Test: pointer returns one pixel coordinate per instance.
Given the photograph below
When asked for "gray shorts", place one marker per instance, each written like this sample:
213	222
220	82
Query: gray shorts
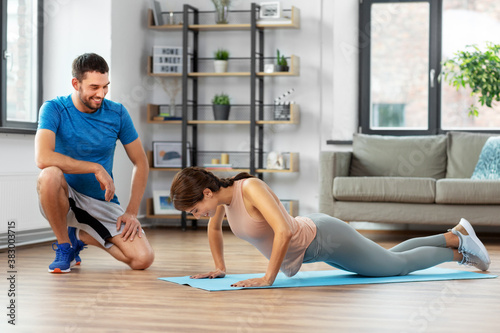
95	217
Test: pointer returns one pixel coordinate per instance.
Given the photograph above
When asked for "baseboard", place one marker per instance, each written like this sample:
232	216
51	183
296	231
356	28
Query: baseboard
28	237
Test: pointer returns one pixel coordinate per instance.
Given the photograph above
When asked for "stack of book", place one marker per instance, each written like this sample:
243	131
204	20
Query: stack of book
217	166
168	60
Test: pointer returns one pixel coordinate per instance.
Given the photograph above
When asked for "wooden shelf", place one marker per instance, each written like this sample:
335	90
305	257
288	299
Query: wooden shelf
294	71
151	24
293	166
203	74
153	111
294	68
294	24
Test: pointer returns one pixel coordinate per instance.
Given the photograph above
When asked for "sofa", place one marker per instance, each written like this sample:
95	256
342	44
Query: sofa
412	179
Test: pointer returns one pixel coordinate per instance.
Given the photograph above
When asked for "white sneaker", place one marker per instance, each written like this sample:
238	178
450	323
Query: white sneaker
473	250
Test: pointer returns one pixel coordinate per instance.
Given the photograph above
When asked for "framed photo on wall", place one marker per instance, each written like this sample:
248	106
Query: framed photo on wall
270	10
162	203
168	154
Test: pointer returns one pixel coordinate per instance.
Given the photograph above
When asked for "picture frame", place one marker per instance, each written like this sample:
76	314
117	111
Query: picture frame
168	154
270	10
162	203
157	16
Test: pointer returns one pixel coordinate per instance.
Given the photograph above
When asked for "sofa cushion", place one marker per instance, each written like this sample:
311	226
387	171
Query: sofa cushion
463	153
468	191
395	156
488	165
385	189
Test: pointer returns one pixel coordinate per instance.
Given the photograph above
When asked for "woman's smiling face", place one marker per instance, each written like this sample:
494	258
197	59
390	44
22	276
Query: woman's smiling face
205	207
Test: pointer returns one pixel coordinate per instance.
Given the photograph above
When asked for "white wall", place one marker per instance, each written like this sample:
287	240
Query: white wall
326	89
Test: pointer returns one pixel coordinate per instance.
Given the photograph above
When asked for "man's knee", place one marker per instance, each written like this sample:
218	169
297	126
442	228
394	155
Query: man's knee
143	260
51	177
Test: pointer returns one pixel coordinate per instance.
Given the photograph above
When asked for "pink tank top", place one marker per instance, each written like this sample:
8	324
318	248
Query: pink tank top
261	235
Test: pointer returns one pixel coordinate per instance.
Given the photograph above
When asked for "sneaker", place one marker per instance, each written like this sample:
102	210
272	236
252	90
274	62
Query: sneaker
470	246
472	260
65	258
77	244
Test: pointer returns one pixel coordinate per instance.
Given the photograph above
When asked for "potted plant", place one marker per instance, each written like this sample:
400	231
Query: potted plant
221	106
480	70
281	63
220	62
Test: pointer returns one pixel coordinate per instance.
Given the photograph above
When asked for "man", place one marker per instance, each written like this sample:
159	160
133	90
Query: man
74	146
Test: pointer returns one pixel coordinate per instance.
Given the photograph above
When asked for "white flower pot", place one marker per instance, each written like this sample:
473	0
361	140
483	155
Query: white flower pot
220	66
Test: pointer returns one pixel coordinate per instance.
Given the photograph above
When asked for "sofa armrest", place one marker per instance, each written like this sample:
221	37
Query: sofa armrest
332	164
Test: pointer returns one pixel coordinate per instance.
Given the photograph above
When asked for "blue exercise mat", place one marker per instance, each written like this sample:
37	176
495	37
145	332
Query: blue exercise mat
327	278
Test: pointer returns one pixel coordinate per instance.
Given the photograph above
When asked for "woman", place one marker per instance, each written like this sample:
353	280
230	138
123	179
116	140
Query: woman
256	215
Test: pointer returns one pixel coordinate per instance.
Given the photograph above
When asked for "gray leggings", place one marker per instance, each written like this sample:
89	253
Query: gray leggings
339	245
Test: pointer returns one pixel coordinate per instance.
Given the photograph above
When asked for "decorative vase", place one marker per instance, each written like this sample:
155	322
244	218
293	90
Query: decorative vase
171	108
221	111
221	14
220	66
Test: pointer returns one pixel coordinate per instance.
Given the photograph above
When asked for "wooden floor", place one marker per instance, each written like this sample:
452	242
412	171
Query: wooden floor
103	295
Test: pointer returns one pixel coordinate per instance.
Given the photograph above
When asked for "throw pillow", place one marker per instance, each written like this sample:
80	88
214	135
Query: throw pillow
398	156
488	165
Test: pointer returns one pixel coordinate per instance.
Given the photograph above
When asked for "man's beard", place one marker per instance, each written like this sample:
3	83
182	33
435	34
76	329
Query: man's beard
87	104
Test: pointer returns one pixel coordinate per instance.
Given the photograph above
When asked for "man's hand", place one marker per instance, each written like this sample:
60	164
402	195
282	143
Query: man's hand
132	226
106	182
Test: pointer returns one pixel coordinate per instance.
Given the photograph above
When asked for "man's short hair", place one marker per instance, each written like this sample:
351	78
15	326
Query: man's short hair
88	62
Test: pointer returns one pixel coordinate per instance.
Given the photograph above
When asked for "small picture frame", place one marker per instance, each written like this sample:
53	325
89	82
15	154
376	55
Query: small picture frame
270	10
168	154
157	16
162	203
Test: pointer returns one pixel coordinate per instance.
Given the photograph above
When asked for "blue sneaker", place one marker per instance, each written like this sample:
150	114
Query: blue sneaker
77	244
65	258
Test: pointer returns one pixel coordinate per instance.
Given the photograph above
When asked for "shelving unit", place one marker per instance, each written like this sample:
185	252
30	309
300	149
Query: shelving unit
195	115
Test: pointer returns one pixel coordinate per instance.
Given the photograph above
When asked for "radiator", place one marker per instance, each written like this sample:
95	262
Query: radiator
19	210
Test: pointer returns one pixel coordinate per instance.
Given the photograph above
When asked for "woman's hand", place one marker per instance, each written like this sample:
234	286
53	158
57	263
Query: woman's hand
257	282
210	275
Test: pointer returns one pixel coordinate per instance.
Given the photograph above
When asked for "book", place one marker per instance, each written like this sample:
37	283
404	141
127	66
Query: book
156	8
217	166
163	118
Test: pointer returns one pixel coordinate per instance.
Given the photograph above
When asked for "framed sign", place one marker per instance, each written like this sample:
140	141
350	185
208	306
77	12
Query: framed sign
270	10
168	154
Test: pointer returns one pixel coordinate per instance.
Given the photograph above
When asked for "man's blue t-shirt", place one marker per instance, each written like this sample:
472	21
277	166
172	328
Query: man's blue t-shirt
87	137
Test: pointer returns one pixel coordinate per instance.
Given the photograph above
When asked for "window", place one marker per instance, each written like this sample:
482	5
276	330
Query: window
20	70
402	44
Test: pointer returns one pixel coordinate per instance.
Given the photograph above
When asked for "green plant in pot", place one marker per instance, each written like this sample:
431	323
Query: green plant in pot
479	70
281	63
220	63
221	106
